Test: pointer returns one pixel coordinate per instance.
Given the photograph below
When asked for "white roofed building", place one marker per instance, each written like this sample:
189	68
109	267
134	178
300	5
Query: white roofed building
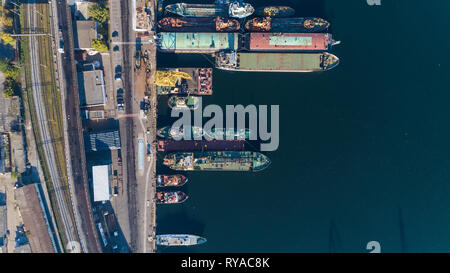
101	182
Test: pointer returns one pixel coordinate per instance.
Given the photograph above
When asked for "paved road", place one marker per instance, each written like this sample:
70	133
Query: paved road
127	126
66	218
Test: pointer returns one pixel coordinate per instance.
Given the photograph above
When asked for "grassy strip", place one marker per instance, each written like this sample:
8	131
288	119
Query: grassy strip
30	109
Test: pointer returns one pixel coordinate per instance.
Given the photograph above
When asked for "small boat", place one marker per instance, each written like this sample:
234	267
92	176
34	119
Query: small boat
170	197
275	11
187	103
176	180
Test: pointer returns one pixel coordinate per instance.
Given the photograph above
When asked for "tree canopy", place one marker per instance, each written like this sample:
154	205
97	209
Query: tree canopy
99	13
99	45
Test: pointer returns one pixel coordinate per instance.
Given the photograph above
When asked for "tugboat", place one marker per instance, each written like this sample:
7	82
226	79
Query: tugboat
275	11
176	180
171	197
179	240
187	103
287	25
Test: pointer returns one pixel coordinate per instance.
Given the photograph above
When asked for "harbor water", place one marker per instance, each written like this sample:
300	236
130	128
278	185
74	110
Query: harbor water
364	150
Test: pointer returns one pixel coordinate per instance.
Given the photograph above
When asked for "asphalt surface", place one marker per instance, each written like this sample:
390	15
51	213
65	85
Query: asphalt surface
127	127
47	145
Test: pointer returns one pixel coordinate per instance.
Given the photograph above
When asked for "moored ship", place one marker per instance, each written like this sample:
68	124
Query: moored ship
187	103
234	9
184	81
272	42
295	25
240	10
179	240
275	11
170	145
201	24
178	133
227	134
197	10
217	161
197	133
170	197
176	180
276	62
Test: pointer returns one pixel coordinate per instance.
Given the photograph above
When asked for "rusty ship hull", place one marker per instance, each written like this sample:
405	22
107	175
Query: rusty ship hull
287	25
176	180
275	11
167	145
199	24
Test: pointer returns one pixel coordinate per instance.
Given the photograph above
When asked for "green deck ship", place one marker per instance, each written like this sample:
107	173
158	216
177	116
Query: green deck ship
217	161
189	42
276	62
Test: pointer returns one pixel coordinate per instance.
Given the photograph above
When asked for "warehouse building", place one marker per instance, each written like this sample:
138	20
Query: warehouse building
102	141
92	89
101	182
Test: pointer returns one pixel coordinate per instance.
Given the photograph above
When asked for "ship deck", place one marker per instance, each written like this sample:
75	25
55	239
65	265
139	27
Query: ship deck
288	41
279	62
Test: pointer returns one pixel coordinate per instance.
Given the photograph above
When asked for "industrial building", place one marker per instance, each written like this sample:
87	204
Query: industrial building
102	141
86	33
35	220
101	182
91	85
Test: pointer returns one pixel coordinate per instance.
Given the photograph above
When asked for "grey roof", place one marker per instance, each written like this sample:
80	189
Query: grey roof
102	141
92	88
86	32
33	219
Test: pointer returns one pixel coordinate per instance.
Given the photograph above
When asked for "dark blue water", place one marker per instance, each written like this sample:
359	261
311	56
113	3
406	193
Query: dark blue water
364	151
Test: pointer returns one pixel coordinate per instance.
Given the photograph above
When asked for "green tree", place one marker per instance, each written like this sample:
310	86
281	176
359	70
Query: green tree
8	91
9	70
99	45
7	39
99	13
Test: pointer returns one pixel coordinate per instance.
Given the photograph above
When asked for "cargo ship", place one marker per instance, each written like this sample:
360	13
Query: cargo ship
229	133
197	42
170	197
187	103
234	9
275	11
197	133
295	25
172	133
288	42
176	180
201	24
179	240
184	81
276	62
217	161
170	145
